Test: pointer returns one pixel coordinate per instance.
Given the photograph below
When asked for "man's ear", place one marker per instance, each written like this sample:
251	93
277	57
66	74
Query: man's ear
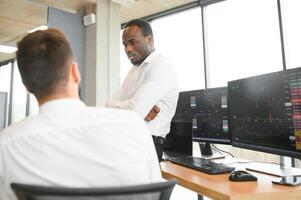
149	40
75	72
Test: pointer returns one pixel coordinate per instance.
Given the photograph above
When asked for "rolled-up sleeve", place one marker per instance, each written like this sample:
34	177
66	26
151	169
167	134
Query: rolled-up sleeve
159	79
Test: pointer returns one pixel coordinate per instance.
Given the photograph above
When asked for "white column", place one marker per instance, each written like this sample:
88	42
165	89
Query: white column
103	53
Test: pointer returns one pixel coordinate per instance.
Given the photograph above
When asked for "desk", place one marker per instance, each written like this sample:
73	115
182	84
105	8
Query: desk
218	187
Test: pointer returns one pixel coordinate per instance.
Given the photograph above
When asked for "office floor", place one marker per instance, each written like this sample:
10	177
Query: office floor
180	193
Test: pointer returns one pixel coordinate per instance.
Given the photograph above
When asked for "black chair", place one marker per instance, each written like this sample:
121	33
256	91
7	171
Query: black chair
153	191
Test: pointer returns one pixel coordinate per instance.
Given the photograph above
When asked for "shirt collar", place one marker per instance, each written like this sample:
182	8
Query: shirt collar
150	58
59	105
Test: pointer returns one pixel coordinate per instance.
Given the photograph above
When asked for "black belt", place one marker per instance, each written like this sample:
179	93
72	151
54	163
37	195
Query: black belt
158	140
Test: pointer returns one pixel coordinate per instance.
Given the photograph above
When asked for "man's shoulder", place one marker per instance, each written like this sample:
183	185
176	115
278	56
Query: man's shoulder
162	58
19	128
163	67
162	62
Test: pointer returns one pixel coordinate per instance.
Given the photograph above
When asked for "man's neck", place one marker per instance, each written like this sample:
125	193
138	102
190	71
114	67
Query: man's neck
145	57
56	97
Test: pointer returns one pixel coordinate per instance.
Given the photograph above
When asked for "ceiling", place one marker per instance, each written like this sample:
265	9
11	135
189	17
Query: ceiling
19	16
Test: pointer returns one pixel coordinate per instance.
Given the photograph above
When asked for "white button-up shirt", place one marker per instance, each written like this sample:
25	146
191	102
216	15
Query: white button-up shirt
153	82
69	144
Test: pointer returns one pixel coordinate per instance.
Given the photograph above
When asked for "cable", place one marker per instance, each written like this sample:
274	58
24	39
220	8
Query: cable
218	151
223	151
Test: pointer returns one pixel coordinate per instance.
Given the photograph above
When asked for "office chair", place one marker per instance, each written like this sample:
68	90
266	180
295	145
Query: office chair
153	191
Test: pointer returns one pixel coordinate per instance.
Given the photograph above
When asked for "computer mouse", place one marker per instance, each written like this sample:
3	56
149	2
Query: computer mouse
241	175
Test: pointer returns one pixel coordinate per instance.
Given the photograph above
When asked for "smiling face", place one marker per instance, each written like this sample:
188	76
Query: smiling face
137	46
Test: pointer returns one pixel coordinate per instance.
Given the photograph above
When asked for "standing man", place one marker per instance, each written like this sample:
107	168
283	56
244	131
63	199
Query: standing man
67	143
151	87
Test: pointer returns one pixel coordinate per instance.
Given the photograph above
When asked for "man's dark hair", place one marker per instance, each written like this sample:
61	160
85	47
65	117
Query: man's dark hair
143	25
43	59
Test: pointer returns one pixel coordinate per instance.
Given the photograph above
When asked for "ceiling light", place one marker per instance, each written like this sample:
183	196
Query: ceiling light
7	49
43	27
124	2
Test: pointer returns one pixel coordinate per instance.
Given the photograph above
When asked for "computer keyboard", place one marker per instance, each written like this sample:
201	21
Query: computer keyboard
201	164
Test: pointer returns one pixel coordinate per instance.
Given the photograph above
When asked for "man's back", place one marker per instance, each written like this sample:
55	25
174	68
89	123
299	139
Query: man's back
69	144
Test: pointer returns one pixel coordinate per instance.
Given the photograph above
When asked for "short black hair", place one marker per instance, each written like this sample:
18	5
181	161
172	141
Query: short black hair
43	60
144	25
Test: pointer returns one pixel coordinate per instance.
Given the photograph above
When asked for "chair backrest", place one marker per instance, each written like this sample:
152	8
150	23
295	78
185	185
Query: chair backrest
153	191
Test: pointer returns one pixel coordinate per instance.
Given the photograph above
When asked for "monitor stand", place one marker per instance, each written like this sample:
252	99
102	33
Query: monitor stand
207	153
274	169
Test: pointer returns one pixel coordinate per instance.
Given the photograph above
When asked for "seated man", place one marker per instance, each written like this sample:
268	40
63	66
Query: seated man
67	143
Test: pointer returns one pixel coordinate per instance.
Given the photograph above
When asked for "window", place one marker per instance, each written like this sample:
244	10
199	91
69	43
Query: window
5	71
243	40
179	37
5	76
292	32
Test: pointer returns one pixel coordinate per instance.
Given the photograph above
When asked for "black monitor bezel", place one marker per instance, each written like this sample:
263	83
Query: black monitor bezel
270	150
211	140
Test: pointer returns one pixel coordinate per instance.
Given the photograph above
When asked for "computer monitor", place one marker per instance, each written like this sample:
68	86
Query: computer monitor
210	122
3	106
207	110
265	112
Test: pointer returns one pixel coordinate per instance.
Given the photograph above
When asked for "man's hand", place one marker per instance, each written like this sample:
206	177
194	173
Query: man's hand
152	113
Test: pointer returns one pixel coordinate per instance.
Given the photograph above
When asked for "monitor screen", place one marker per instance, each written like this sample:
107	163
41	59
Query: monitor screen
265	112
210	119
3	105
187	105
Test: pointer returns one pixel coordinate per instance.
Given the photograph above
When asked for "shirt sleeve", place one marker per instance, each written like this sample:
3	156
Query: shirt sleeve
159	79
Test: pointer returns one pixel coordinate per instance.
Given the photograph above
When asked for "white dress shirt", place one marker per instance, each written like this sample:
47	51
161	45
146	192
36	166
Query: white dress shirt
153	82
69	144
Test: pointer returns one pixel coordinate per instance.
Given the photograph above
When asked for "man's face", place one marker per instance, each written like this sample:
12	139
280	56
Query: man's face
137	47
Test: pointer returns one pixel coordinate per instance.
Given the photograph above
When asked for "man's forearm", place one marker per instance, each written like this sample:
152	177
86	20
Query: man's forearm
131	105
118	104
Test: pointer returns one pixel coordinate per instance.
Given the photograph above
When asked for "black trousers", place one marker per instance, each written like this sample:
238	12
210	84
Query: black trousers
159	145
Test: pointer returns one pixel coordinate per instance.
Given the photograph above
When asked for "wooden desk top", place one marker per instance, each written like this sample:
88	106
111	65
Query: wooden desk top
218	187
